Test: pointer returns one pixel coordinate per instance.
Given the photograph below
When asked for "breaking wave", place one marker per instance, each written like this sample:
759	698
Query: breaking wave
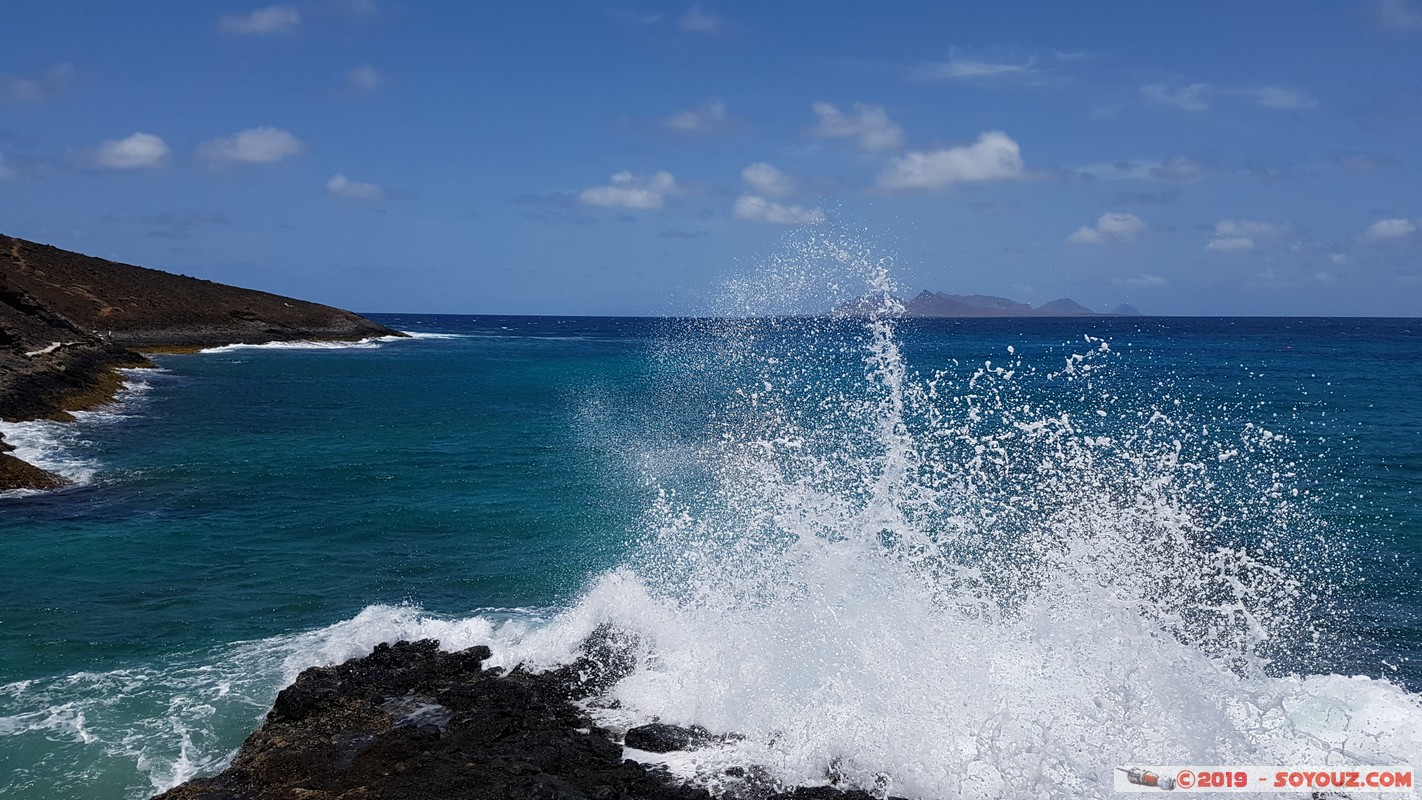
991	579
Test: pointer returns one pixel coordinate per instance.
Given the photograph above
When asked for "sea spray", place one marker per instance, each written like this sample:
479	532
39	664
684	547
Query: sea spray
995	579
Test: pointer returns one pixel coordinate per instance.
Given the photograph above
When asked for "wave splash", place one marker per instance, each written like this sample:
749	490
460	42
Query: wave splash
992	580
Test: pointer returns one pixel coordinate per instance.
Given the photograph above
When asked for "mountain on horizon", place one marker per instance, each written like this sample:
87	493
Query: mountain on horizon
941	304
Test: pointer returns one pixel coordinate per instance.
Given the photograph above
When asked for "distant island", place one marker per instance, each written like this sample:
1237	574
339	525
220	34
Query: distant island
68	322
942	304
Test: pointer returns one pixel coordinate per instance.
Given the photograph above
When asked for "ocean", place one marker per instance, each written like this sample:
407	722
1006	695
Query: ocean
956	558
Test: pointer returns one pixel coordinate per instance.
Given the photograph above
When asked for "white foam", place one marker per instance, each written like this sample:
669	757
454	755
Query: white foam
368	343
66	448
429	335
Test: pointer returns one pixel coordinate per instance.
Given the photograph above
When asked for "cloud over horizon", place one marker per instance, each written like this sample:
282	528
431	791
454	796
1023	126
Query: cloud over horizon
15	88
1112	226
341	186
137	151
869	126
1197	96
365	79
993	157
767	179
1389	230
262	22
252	146
699	20
959	67
750	208
630	191
708	119
1233	236
1398	14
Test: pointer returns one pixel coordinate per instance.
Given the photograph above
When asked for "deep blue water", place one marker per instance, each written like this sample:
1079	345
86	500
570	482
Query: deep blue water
259	493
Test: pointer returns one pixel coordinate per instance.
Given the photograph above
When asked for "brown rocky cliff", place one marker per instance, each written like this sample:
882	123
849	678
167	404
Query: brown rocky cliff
68	321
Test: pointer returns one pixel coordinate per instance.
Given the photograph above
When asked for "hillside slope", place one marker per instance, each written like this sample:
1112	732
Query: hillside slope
68	321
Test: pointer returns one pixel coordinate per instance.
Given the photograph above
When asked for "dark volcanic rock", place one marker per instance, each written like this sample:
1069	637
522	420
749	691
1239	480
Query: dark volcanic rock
412	722
17	474
662	738
67	322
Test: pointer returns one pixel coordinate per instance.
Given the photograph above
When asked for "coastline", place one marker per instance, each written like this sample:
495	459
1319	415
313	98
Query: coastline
413	721
69	322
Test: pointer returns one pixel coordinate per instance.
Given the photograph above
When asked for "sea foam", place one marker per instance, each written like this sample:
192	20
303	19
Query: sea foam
66	448
359	344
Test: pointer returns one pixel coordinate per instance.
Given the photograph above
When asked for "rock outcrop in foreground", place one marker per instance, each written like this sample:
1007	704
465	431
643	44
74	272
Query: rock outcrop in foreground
410	721
68	321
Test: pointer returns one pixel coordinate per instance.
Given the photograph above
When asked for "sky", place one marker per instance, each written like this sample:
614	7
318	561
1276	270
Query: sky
625	157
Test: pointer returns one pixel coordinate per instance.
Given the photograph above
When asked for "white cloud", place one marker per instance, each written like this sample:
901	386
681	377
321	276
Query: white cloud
629	191
869	125
1113	226
1196	96
708	119
365	79
6	172
1252	229
1144	281
37	86
1241	235
1338	258
1123	170
1365	162
1280	98
1185	98
263	21
698	20
993	157
768	180
1180	168
341	186
252	146
750	208
1230	244
959	67
139	151
1398	14
1385	230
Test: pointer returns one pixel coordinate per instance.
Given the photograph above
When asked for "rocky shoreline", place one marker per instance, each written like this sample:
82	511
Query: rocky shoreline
410	721
69	322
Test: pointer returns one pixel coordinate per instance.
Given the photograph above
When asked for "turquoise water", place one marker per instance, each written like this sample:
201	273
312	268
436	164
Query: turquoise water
247	512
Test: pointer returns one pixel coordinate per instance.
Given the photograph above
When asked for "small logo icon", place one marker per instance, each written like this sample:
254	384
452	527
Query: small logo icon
1142	777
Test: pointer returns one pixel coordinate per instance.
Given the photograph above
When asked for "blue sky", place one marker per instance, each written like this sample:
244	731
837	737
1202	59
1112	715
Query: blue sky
626	157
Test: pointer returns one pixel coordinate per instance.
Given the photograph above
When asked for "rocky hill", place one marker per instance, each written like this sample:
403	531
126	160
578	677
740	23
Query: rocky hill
68	321
942	304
